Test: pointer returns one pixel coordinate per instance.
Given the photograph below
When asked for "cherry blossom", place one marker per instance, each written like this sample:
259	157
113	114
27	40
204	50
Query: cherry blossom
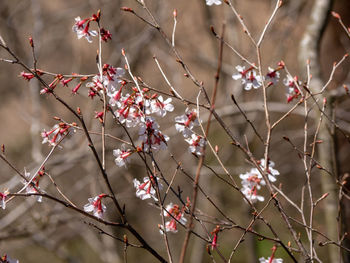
293	91
130	110
186	122
53	136
176	214
151	136
215	2
95	205
160	107
33	186
197	144
146	189
249	77
122	156
251	183
273	75
253	180
81	28
3	197
270	260
110	81
272	173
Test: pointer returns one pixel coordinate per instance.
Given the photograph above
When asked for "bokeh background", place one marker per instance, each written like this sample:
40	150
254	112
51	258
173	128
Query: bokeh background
48	232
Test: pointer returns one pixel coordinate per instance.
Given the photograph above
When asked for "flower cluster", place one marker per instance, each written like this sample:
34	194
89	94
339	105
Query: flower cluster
250	79
109	81
146	189
53	136
176	214
253	180
95	205
151	136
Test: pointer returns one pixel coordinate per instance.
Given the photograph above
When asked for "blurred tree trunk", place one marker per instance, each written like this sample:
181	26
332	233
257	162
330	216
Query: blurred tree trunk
310	49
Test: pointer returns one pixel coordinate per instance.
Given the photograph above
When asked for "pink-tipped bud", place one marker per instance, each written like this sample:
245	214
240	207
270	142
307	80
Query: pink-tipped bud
27	76
66	81
281	64
175	13
77	87
336	15
31	42
127	9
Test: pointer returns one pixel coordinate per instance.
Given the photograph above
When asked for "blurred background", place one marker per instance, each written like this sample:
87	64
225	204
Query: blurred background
48	232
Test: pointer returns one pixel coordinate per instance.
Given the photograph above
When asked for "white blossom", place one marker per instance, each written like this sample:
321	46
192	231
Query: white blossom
197	144
95	205
146	189
249	78
268	260
213	2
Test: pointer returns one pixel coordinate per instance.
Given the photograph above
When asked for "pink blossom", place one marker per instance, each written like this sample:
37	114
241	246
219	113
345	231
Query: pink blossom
95	205
3	197
151	136
160	107
253	180
197	144
273	75
129	111
249	77
146	189
270	260
251	184
33	186
176	215
81	28
53	136
122	156
186	122
293	91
